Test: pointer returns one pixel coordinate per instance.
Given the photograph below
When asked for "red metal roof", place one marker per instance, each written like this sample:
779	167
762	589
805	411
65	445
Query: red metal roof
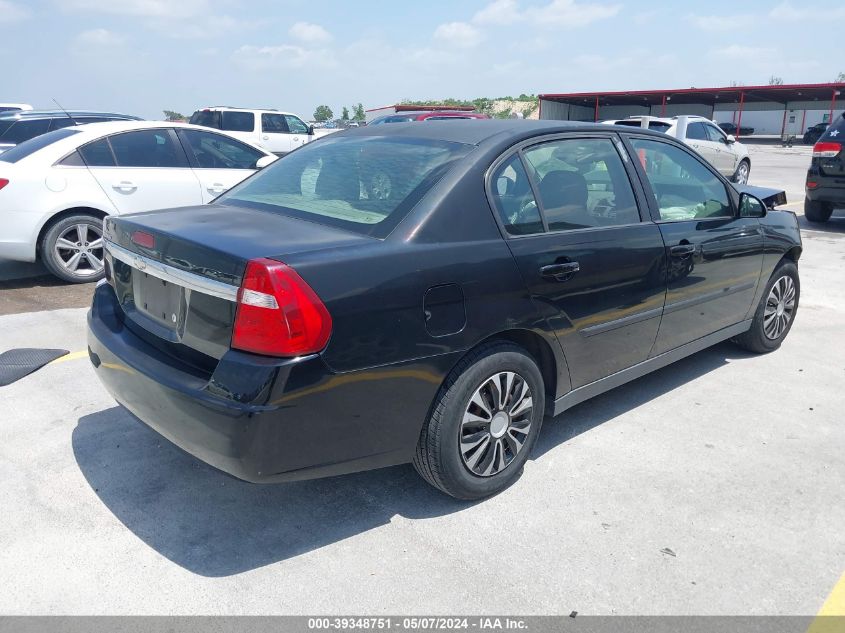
424	108
780	94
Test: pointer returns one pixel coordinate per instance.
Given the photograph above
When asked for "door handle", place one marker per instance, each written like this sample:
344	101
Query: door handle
296	138
682	250
560	272
126	186
265	137
217	187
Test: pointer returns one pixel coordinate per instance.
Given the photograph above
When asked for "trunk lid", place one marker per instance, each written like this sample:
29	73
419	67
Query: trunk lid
176	272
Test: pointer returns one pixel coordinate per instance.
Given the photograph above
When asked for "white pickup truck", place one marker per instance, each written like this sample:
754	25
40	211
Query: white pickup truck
276	131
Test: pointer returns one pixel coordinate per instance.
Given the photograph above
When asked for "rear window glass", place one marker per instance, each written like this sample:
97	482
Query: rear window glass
366	185
238	121
658	126
24	130
33	145
206	118
838	126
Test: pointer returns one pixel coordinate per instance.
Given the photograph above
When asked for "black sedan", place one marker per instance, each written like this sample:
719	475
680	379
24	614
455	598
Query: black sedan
429	293
814	133
731	128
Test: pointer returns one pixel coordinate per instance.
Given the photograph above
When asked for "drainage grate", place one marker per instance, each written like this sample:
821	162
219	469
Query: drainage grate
17	363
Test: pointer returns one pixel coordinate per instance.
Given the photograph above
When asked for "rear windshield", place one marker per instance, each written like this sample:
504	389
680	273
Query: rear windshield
366	185
836	131
33	145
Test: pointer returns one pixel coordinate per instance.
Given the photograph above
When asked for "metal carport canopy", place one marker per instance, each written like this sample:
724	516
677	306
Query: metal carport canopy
740	95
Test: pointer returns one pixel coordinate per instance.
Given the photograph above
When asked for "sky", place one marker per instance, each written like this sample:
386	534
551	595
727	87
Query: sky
143	56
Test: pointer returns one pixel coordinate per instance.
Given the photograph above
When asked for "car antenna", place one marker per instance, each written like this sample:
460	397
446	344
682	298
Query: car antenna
65	111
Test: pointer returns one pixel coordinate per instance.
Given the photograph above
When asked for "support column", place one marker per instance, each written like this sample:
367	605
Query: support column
597	109
739	121
783	126
663	108
832	106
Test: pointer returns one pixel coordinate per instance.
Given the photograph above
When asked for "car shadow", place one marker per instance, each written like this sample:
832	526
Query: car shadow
836	223
214	525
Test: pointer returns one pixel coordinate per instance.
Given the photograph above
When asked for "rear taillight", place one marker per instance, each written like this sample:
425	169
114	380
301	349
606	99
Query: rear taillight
824	149
3	182
278	314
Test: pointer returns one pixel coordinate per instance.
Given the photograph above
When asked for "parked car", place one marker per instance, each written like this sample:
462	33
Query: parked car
814	133
825	185
17	127
306	324
730	128
438	115
14	107
723	151
277	132
56	189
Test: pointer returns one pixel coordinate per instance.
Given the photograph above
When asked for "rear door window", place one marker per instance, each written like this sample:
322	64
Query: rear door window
147	148
97	154
234	121
514	199
582	183
697	132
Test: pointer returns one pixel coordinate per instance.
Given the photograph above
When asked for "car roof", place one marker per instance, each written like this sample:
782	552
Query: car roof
61	114
477	131
234	109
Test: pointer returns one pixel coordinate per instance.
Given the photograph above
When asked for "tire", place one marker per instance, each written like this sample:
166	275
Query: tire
489	465
761	338
743	171
817	211
75	232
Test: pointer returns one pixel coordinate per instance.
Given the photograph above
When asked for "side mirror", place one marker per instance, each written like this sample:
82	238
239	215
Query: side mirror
262	162
310	130
751	206
730	139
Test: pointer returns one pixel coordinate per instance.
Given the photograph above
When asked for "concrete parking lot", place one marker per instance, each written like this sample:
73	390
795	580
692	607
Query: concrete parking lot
713	486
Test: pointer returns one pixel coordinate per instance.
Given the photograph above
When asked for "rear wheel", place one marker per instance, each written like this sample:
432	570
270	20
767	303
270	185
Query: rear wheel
776	312
72	248
484	423
816	211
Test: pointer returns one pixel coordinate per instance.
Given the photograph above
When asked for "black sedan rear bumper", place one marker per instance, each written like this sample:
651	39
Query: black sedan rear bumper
261	419
827	193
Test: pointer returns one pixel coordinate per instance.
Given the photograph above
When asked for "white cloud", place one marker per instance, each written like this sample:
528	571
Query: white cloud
720	22
499	12
142	8
98	38
458	34
283	56
745	53
571	14
786	11
309	33
11	12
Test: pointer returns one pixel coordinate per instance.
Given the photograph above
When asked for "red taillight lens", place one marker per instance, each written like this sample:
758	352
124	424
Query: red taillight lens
826	149
812	184
143	239
3	182
278	313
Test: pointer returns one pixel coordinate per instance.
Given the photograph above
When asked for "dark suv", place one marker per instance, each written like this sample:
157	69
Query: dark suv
17	127
825	188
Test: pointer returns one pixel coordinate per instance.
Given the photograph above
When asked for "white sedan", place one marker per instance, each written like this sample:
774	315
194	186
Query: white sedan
56	189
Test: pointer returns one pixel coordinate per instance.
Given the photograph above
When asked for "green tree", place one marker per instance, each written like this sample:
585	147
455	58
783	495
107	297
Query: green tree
775	81
345	115
323	113
358	113
840	77
170	115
